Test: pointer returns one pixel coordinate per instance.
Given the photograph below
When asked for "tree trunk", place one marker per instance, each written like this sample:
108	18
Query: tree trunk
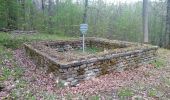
43	12
50	16
167	42
42	6
23	13
85	12
145	21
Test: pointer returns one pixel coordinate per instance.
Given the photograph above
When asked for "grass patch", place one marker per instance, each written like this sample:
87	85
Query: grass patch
126	92
158	63
15	41
91	50
6	72
152	92
96	97
17	72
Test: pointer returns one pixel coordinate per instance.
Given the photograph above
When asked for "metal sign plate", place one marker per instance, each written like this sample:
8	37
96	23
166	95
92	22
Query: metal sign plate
83	28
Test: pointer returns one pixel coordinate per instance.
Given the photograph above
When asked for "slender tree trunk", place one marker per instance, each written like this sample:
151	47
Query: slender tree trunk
85	12
23	13
32	16
43	7
145	21
7	15
43	12
50	16
167	42
57	9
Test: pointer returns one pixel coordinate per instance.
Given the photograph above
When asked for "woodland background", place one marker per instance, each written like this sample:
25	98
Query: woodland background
122	21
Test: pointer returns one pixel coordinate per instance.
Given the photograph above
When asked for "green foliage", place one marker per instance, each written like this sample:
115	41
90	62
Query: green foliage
14	94
6	72
152	92
21	83
60	84
15	41
125	92
29	96
91	50
8	13
17	72
49	96
166	80
95	97
116	21
159	63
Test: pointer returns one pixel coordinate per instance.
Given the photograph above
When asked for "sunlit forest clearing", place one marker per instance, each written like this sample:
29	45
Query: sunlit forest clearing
84	50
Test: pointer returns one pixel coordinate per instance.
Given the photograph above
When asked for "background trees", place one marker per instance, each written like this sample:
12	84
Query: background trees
145	20
114	20
167	42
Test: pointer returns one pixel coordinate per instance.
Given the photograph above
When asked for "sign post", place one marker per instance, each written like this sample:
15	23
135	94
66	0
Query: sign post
83	29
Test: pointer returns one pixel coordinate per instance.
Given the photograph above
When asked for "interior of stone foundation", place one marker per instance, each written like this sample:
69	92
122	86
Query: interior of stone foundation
71	50
91	47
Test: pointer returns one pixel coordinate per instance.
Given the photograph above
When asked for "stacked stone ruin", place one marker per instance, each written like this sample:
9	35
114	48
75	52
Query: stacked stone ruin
115	56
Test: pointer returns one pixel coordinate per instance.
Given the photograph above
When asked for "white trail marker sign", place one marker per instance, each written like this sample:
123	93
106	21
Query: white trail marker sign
83	29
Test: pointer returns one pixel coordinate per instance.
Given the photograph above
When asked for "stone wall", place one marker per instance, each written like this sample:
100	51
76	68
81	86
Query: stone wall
83	69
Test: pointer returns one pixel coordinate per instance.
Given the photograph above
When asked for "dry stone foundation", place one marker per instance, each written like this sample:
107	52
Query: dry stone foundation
68	63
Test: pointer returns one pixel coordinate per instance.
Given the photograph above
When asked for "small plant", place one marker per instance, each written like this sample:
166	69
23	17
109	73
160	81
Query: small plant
159	63
15	94
1	49
60	84
166	81
125	93
21	83
2	78
49	96
152	92
17	72
6	72
29	96
96	97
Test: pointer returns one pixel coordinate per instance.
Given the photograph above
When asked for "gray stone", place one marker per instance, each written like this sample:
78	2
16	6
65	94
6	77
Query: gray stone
70	79
74	82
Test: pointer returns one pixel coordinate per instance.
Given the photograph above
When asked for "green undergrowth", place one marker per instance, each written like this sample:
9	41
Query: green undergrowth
9	70
91	50
159	63
152	92
125	92
15	41
95	97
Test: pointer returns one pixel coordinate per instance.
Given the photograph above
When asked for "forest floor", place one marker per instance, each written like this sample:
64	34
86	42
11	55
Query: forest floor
20	79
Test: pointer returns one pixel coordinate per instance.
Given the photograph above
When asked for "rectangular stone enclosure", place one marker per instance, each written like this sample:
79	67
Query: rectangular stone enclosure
67	61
